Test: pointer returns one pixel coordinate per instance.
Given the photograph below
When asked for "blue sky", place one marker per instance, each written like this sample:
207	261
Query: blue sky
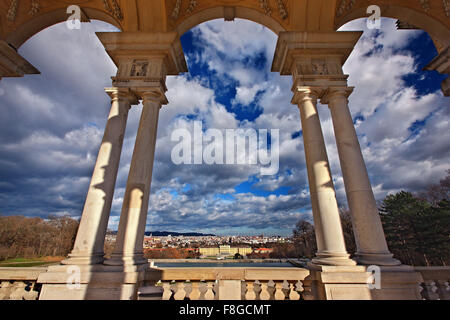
52	125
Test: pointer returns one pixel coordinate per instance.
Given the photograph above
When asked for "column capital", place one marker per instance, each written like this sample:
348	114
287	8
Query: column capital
333	93
144	59
152	94
120	93
306	93
320	48
144	45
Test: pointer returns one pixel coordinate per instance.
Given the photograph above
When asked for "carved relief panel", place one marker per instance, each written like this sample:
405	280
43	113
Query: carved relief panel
317	66
139	68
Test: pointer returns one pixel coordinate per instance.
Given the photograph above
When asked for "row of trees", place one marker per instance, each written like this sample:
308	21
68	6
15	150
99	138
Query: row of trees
417	227
35	237
171	253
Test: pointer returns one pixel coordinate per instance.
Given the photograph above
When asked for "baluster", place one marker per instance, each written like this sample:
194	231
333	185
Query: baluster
257	289
209	295
195	293
293	294
430	291
420	289
18	291
443	290
202	288
447	287
286	289
4	290
250	294
299	286
271	289
306	291
180	294
264	294
279	294
167	293
187	288
31	294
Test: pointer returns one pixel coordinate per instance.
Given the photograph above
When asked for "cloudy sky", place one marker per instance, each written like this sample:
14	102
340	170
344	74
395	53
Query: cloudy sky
51	126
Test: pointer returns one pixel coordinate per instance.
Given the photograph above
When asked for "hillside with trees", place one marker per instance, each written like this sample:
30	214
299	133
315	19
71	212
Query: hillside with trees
35	237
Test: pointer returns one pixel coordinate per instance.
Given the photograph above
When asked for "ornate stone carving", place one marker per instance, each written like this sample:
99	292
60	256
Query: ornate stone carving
264	4
139	68
446	4
319	67
176	10
35	7
192	5
345	6
107	6
425	5
282	9
12	11
117	11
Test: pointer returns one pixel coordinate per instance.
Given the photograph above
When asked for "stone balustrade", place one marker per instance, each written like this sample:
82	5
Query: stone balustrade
229	283
220	283
19	283
435	285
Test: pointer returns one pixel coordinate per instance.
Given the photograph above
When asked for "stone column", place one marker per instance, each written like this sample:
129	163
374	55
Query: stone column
371	243
327	224
130	236
88	248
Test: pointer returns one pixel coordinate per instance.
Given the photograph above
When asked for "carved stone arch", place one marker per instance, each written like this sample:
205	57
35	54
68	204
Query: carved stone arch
36	24
229	13
438	31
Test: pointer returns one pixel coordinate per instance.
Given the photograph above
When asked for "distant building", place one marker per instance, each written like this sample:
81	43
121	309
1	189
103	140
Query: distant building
263	250
224	250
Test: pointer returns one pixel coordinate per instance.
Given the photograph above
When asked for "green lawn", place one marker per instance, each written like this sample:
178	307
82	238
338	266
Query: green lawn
26	262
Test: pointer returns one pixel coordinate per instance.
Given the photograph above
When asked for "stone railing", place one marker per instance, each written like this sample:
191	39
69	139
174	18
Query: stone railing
19	283
227	284
435	285
220	283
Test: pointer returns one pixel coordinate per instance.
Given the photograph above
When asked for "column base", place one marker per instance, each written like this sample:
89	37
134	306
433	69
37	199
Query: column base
97	282
83	259
118	259
352	283
333	259
377	259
